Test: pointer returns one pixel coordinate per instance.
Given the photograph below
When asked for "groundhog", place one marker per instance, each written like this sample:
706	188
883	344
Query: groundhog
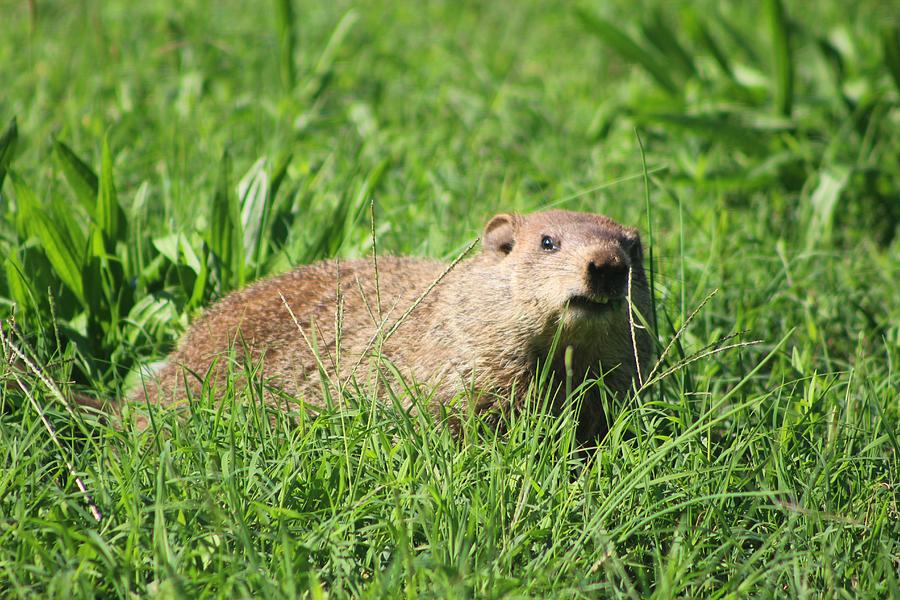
476	336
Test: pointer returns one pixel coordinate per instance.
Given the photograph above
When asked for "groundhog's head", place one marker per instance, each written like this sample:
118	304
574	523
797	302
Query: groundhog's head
571	267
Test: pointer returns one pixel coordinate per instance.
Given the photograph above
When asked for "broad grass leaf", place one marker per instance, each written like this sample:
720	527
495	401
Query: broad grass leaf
189	254
726	127
782	57
322	74
328	238
619	41
253	190
59	242
274	231
713	47
94	274
167	245
80	176
368	187
831	56
151	316
135	262
198	291
17	282
287	41
178	250
349	213
61	214
279	174
890	45
824	201
658	33
103	275
736	37
109	214
190	263
225	235
7	147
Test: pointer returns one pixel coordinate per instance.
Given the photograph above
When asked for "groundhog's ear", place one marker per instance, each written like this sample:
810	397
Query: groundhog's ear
632	244
500	234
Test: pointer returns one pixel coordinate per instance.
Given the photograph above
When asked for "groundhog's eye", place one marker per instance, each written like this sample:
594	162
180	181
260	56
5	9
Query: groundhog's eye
549	244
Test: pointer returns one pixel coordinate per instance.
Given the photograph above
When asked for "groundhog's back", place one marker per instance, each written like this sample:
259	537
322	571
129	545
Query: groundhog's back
289	325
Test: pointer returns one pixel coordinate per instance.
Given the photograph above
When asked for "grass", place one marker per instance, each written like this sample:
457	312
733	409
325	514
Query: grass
160	154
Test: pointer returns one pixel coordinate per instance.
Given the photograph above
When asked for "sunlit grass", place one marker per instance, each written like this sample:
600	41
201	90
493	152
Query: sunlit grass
157	155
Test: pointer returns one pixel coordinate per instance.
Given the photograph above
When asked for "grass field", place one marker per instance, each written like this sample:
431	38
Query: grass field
158	154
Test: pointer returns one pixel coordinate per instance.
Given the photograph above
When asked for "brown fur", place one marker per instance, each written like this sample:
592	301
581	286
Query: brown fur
483	328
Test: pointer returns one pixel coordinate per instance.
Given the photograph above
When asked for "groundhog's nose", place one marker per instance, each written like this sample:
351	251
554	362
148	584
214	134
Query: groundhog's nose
607	272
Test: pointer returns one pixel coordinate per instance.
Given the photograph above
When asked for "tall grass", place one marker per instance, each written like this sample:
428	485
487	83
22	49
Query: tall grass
156	157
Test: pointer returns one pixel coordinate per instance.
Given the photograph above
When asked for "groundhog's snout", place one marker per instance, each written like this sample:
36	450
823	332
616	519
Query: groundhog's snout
607	272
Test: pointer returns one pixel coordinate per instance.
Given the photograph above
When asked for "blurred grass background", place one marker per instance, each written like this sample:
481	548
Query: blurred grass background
158	154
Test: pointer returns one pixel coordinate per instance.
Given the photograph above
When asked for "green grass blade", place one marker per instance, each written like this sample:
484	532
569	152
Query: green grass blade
110	216
650	243
80	176
825	201
352	211
7	148
890	45
619	41
275	230
225	235
198	291
481	108
341	30
736	37
713	47
279	174
723	127
287	41
253	190
94	277
832	57
64	251
782	57
17	282
658	33
321	76
271	215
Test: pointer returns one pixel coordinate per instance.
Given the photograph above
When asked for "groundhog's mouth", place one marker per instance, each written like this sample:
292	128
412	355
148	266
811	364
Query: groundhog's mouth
594	304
